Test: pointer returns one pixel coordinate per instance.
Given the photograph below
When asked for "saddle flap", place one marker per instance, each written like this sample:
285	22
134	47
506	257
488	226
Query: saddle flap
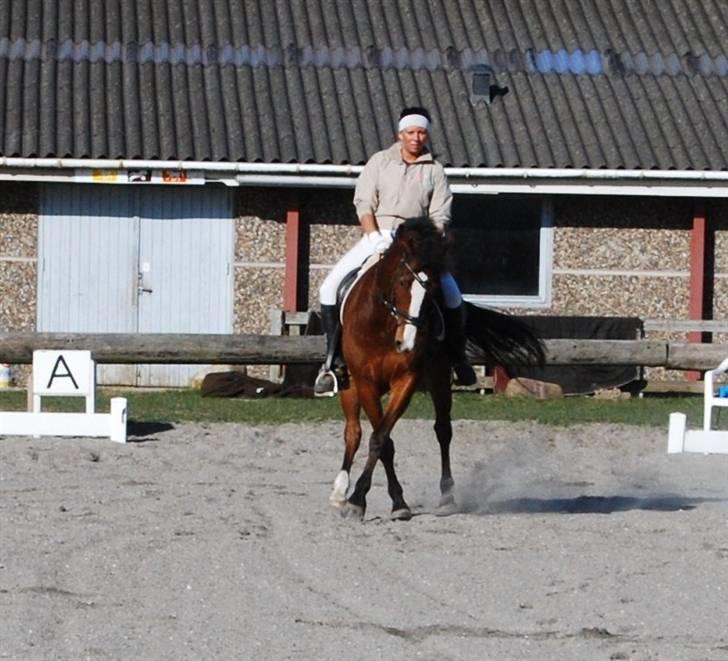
347	284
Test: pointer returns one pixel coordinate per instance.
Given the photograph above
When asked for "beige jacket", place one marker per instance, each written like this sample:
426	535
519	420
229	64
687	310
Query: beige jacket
393	190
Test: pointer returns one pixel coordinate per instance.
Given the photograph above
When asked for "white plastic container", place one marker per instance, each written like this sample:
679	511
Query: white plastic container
6	376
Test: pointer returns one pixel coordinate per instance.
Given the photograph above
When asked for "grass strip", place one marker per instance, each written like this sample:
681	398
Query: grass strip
190	406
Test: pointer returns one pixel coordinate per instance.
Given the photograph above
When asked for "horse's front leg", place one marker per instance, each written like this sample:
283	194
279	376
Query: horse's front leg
400	509
382	447
352	438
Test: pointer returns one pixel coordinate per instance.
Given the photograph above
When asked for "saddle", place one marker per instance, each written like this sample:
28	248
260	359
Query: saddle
349	280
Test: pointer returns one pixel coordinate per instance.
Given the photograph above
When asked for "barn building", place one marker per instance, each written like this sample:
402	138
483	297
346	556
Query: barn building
186	167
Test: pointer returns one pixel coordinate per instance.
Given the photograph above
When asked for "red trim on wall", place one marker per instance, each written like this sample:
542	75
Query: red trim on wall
696	310
293	246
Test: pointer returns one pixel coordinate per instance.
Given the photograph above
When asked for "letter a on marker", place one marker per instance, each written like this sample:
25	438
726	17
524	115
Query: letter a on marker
61	375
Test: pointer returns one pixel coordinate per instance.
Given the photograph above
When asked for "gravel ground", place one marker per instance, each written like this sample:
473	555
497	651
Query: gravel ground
218	542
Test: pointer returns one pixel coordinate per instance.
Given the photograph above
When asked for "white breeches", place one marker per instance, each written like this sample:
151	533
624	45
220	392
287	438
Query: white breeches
357	255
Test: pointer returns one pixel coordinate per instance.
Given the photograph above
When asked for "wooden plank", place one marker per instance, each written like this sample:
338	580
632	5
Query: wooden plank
690	356
648	353
169	348
674	387
17	348
686	325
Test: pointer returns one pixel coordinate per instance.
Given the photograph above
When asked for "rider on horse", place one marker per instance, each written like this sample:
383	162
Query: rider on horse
403	181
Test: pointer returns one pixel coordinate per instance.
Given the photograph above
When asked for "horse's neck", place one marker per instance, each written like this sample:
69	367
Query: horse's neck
364	302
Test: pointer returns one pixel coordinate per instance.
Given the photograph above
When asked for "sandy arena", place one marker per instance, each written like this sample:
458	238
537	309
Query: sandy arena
218	542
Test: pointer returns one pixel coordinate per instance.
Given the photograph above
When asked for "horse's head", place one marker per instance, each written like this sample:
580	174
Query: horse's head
422	245
411	277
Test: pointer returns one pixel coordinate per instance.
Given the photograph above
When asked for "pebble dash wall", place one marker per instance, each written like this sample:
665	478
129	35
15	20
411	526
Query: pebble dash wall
18	256
626	256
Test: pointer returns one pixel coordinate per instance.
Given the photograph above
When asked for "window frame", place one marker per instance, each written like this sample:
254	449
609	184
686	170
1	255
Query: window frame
545	276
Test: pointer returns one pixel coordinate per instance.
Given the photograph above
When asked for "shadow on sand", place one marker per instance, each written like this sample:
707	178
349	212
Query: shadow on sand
138	432
593	504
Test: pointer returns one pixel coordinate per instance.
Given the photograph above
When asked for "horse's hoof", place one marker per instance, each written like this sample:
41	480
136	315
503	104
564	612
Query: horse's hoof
403	514
350	511
337	503
447	508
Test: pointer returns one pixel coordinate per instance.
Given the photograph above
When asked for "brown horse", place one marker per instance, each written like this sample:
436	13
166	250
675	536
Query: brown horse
392	342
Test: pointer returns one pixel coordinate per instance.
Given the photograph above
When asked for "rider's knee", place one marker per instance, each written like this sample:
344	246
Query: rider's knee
450	290
327	292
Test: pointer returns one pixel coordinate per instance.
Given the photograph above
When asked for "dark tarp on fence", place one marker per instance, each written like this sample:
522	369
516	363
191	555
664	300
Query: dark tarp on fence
584	379
297	379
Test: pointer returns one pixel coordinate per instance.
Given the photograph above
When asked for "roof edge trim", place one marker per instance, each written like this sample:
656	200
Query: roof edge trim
328	174
349	170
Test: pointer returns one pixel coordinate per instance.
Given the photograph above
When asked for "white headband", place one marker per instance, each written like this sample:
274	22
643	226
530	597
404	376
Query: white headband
409	121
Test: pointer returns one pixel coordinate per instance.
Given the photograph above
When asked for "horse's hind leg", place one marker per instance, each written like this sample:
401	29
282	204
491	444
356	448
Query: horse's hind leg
441	393
352	437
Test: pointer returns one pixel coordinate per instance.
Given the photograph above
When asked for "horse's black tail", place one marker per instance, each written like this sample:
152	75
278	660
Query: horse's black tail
495	338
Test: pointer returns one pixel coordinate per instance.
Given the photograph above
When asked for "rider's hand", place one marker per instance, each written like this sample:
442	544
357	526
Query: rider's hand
378	241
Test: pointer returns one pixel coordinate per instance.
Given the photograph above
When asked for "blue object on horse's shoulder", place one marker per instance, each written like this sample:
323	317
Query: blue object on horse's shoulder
723	391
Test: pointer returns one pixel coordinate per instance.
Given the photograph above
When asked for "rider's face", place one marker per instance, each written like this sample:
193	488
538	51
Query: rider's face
413	141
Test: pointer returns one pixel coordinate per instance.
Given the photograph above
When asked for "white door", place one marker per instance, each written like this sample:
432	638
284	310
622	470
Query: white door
185	272
126	259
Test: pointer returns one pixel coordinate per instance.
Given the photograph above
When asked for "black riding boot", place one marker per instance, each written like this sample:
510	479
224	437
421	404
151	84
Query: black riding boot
455	338
326	384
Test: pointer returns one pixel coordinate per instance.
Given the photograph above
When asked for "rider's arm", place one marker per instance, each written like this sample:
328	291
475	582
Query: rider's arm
441	200
368	223
366	195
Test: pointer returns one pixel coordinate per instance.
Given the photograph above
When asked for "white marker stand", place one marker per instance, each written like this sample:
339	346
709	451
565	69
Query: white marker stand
705	440
681	439
66	374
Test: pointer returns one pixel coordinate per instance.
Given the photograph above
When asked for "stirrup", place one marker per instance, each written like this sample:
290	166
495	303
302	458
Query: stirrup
318	384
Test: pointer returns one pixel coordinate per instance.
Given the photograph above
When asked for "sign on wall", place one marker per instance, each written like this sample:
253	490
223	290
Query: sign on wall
139	176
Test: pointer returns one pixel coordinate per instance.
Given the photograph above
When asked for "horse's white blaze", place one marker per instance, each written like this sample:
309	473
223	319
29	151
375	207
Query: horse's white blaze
341	486
417	295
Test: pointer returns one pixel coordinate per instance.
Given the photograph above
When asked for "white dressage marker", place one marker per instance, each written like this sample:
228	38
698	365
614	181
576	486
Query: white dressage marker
705	440
681	439
66	374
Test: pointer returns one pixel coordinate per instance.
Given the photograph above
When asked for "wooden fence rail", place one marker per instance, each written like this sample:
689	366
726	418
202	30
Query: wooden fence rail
17	348
686	325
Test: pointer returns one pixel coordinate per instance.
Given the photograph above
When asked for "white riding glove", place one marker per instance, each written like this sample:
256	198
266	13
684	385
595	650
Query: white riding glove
380	241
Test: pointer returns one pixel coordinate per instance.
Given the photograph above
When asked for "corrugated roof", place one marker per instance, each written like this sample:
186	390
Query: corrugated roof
634	84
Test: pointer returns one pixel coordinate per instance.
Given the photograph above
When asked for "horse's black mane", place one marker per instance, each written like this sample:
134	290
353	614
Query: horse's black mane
429	243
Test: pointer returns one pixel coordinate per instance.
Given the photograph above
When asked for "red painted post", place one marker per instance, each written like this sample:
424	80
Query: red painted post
696	309
293	231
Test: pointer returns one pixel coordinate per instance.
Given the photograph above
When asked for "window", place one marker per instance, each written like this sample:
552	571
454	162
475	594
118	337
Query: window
503	249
